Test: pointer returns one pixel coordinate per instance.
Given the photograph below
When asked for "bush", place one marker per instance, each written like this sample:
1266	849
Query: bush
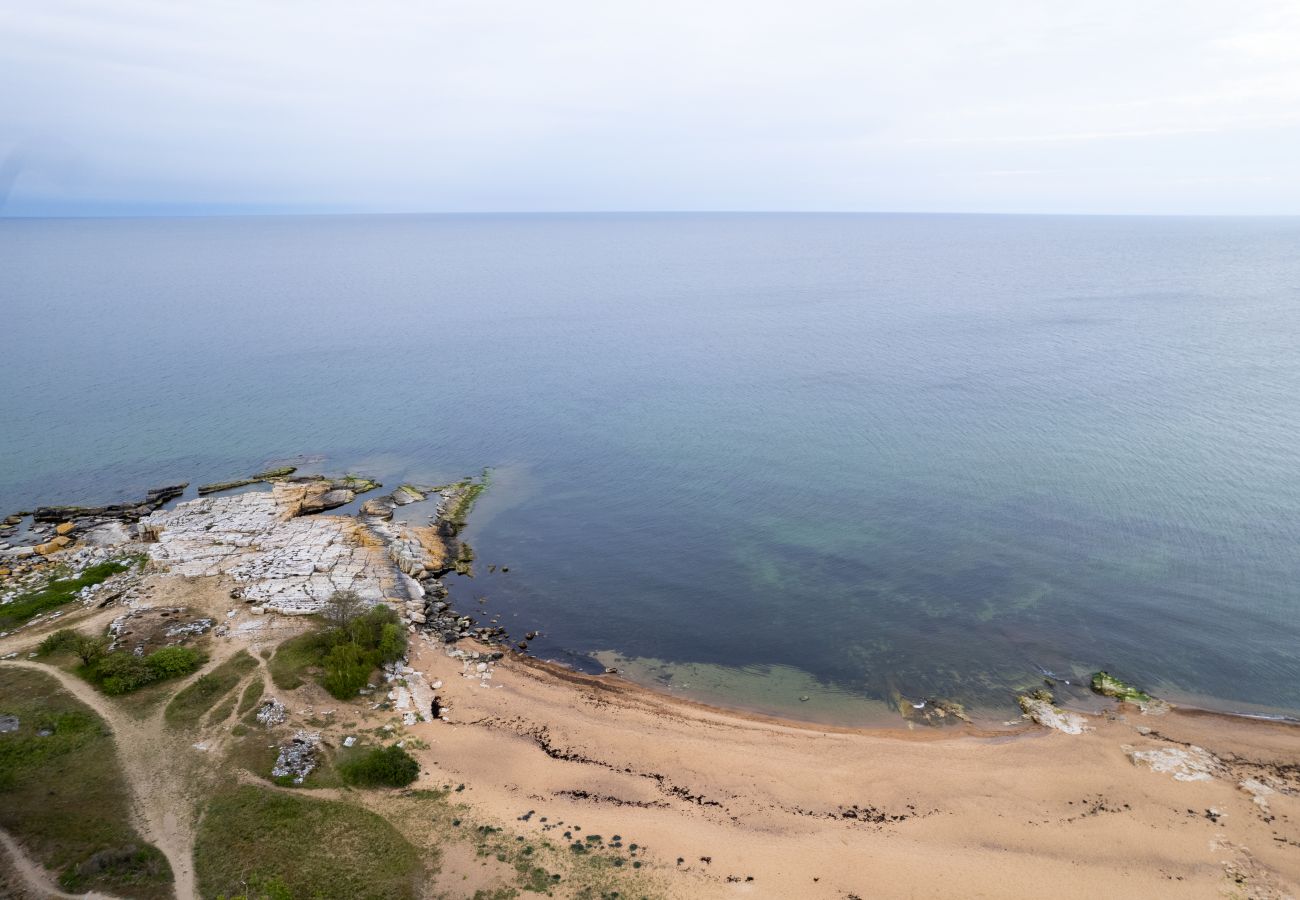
381	767
347	655
63	639
90	649
122	672
347	669
170	662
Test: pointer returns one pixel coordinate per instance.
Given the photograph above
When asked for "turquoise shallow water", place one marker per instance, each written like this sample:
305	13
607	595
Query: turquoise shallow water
925	454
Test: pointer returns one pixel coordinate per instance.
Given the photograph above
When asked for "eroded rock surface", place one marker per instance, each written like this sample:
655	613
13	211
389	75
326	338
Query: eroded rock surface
286	563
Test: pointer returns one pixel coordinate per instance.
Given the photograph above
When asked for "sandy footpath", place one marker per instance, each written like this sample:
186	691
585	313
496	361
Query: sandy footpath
762	808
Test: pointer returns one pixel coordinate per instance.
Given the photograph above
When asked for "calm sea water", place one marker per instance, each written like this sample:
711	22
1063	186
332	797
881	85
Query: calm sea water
753	455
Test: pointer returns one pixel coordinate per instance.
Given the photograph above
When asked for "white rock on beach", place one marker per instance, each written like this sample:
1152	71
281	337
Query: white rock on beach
1046	714
1190	763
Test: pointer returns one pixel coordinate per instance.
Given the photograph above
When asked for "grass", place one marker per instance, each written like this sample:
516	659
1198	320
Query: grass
64	797
188	706
252	694
293	661
536	864
57	592
379	767
311	848
222	712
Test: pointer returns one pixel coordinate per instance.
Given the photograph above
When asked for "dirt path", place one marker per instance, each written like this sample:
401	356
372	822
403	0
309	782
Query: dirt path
162	782
38	879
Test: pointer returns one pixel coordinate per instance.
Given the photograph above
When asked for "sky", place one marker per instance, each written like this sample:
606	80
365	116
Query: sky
1089	106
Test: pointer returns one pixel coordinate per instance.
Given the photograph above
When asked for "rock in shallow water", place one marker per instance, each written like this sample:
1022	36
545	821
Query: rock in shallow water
1044	713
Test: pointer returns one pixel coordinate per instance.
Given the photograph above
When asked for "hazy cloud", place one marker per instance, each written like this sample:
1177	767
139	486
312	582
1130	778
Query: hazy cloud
1161	106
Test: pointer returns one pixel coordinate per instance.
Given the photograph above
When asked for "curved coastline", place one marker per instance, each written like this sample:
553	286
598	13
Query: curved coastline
1132	799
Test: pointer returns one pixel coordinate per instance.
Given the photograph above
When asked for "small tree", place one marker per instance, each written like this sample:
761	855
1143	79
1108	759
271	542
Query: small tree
341	608
90	649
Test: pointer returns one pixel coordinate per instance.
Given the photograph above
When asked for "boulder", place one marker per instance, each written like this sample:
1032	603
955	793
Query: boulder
53	546
333	499
64	528
379	507
110	534
407	494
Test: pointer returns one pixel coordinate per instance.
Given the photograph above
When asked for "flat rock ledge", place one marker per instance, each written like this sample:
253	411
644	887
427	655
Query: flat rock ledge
280	560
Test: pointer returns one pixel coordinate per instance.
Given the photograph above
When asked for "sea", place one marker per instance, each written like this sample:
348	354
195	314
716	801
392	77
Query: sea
827	466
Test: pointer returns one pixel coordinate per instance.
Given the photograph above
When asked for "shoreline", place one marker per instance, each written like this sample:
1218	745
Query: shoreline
437	551
1131	799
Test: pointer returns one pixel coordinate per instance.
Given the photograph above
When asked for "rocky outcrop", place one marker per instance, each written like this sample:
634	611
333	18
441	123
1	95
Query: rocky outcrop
268	475
129	512
314	494
287	563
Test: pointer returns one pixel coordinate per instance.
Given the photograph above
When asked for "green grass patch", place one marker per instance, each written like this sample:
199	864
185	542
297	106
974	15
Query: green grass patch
311	848
58	592
342	658
388	766
63	795
293	661
122	672
252	694
190	704
222	711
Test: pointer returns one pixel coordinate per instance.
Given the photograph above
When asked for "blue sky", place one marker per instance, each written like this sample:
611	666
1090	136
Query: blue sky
137	106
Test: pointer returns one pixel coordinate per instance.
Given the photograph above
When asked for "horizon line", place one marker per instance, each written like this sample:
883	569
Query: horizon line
287	214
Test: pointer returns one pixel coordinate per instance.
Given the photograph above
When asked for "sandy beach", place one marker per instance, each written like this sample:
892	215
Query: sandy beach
727	804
